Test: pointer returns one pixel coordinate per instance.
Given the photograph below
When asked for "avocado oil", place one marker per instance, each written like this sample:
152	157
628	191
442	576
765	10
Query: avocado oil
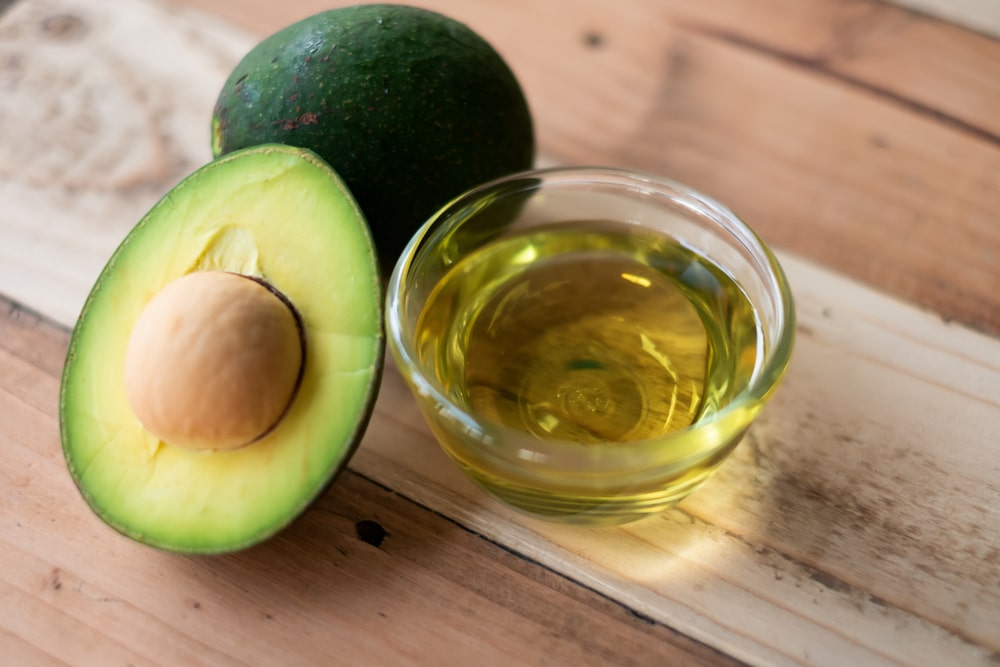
595	333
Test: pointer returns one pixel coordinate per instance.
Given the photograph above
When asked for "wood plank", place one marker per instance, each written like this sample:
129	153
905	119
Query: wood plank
983	15
802	116
933	67
20	652
118	118
74	591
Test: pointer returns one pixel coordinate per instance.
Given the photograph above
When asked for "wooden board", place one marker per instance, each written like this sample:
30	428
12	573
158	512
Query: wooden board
857	524
102	111
981	15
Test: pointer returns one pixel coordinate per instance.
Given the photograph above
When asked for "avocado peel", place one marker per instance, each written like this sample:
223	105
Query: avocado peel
410	107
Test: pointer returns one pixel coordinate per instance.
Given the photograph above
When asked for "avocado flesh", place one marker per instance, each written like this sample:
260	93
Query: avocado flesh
410	107
275	213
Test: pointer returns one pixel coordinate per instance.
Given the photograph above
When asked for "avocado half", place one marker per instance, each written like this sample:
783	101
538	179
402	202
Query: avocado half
410	107
282	218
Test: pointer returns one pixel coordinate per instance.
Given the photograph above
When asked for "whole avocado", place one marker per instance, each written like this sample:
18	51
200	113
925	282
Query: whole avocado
408	106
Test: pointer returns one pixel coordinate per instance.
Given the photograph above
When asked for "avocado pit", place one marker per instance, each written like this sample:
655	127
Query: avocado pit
214	361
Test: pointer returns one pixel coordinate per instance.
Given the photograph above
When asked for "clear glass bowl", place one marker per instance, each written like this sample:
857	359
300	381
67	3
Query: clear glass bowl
567	480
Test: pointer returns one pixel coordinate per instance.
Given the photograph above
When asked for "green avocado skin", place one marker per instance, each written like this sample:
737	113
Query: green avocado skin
409	107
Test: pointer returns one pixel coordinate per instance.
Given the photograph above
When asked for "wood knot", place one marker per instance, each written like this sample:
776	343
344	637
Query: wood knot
63	27
370	531
593	39
55	579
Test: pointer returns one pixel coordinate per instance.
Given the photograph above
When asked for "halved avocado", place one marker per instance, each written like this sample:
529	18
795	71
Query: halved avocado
276	227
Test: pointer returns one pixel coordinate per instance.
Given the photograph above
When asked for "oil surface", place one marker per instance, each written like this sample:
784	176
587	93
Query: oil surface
595	334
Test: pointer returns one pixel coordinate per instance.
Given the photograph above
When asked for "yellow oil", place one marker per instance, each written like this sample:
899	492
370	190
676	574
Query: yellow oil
594	333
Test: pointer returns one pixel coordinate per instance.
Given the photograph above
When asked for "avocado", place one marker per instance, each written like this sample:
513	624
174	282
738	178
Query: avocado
410	107
226	361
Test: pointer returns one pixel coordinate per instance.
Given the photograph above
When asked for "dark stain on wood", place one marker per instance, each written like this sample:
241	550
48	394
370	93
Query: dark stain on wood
371	532
814	516
64	27
593	39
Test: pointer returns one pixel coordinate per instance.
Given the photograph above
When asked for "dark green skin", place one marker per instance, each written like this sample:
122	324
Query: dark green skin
409	107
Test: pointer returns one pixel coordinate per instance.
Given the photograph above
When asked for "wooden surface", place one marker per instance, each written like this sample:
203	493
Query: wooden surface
858	524
982	15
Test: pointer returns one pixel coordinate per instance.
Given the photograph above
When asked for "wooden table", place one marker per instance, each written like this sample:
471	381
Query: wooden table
859	522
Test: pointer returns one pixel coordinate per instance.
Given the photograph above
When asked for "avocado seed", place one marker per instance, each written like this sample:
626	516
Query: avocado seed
213	362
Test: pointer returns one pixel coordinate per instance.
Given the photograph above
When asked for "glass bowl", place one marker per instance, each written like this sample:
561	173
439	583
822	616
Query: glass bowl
588	344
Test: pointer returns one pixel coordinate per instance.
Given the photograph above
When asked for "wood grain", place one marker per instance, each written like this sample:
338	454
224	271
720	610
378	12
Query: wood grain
100	117
983	15
333	587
